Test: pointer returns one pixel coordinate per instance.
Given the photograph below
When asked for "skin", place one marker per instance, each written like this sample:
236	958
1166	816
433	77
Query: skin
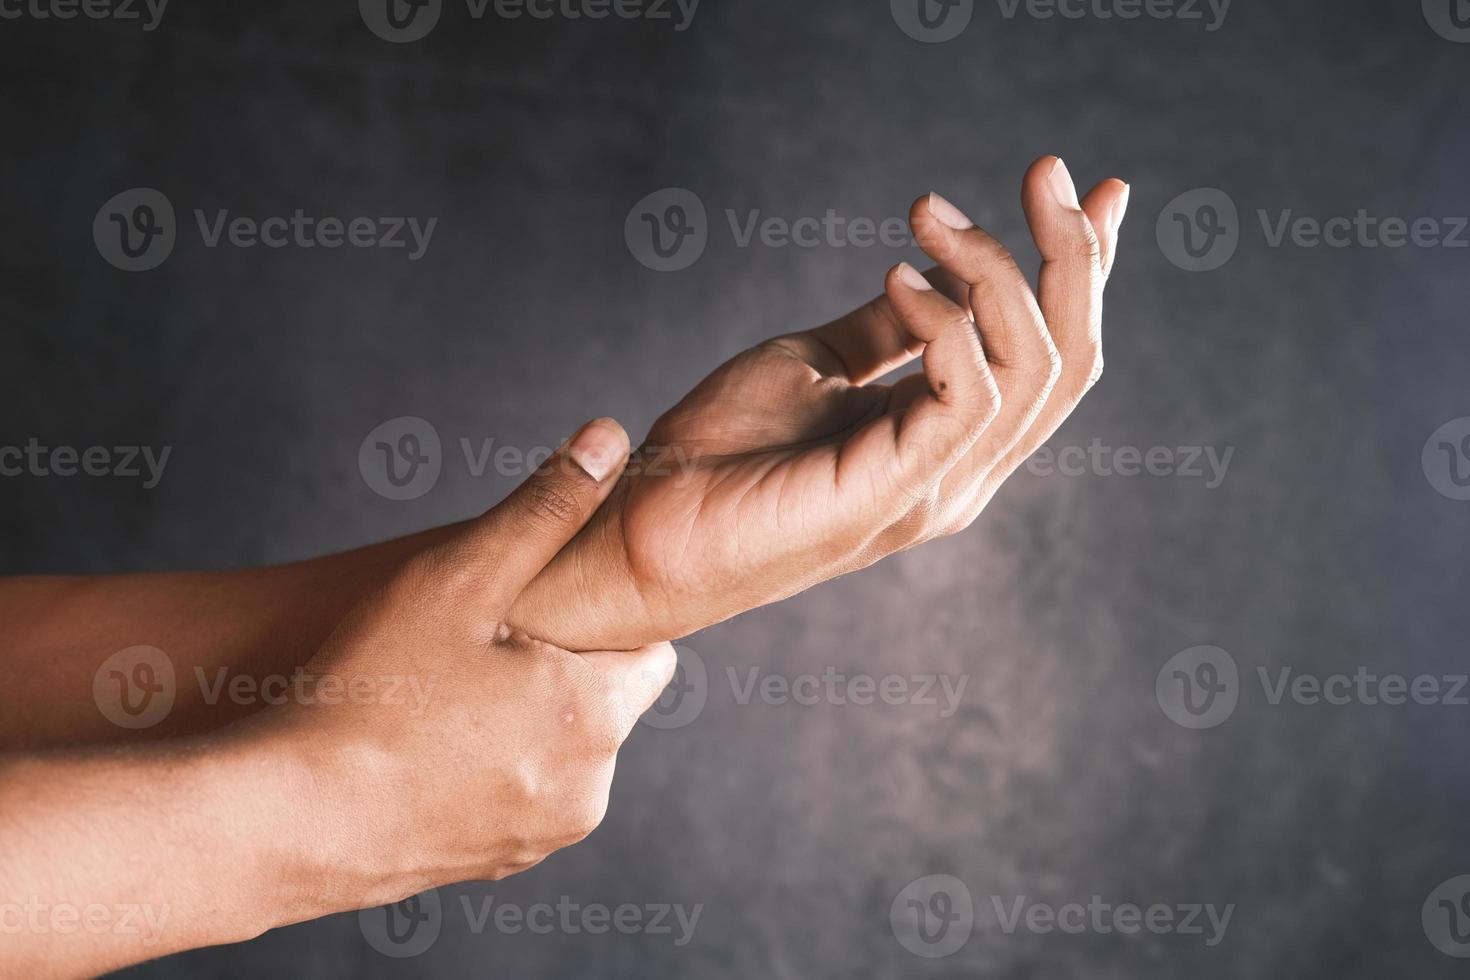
319	807
806	468
789	465
227	820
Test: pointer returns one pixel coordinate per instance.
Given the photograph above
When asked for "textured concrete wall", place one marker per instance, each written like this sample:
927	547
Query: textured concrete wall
1326	547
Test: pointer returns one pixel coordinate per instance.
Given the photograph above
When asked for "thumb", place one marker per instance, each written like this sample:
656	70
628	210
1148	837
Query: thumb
502	551
635	679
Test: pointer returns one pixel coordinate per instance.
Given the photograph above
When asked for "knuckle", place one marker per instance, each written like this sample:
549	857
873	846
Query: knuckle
597	725
603	733
919	518
990	251
1085	364
1089	248
1003	276
1046	368
550	505
1094	370
989	403
956	321
915	526
524	787
584	816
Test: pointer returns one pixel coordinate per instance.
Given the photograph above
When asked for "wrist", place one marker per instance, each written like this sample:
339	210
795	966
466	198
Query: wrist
347	842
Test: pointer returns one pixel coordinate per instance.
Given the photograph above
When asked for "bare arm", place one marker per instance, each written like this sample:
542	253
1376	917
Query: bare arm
113	855
58	630
790	465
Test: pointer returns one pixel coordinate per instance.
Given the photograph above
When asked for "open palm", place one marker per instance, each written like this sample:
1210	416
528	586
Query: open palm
790	464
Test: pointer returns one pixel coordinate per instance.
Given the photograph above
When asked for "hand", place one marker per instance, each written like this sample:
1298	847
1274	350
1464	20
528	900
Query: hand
511	755
352	794
789	465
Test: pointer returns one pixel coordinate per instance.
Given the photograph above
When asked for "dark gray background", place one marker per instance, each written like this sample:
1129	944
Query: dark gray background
1325	548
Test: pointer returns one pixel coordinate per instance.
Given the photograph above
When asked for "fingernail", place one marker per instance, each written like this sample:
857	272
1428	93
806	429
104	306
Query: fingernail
912	278
1120	207
1062	187
948	213
599	448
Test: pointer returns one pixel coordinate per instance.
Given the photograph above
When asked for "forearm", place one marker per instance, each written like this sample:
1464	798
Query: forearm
211	626
252	627
120	855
